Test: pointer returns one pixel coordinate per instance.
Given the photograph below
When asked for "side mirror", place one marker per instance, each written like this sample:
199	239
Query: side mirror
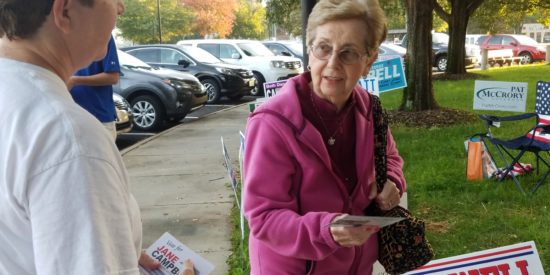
184	63
235	56
285	53
514	44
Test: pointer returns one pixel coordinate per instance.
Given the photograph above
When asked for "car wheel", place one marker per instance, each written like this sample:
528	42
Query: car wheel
148	113
526	58
441	63
259	88
212	90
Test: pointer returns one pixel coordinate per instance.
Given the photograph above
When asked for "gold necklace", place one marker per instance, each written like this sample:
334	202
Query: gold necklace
332	138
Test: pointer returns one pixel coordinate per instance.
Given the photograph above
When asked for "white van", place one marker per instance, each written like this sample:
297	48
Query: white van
472	47
252	54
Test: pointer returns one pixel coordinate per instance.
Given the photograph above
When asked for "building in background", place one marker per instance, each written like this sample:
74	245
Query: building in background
539	32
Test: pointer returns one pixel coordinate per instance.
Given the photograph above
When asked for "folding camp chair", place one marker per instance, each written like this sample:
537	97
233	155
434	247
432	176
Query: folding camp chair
536	140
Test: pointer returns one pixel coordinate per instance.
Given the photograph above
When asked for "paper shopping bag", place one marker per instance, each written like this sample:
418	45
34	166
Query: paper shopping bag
488	163
474	165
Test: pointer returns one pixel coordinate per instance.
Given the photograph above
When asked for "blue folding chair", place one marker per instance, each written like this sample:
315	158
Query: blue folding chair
536	140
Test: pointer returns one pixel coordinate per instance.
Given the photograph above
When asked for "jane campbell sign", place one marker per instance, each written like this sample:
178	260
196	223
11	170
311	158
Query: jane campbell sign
500	96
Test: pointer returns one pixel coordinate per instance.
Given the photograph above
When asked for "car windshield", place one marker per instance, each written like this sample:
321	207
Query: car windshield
295	47
131	61
254	49
526	40
201	55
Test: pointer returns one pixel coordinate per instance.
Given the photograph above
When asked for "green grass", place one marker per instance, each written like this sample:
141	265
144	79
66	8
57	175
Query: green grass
461	216
238	260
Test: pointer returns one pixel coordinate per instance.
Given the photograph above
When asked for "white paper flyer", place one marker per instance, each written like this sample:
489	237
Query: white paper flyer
366	220
171	254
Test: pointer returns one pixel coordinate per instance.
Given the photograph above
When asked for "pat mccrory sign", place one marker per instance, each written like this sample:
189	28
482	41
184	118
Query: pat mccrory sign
500	96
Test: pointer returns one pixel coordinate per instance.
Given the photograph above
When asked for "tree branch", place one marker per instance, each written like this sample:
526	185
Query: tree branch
473	5
441	12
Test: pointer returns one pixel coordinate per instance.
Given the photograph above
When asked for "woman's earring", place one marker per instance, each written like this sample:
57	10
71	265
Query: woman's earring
308	68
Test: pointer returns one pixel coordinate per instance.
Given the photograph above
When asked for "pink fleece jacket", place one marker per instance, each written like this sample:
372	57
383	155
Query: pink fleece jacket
292	193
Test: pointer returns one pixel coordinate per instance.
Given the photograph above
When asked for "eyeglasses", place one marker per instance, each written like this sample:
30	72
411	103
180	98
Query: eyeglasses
348	56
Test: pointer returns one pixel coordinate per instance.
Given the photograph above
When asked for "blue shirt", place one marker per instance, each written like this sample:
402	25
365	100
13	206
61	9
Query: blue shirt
98	100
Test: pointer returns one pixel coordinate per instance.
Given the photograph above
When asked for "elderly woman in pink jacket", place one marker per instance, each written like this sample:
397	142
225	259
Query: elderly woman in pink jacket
309	156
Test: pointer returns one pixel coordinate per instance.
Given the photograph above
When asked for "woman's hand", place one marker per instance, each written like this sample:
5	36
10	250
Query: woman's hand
350	235
188	268
389	198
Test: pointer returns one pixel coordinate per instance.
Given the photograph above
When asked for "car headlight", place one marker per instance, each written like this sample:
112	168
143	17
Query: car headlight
541	49
225	71
174	84
278	64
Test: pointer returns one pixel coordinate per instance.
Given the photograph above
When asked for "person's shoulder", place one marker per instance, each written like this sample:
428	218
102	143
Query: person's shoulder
54	121
363	99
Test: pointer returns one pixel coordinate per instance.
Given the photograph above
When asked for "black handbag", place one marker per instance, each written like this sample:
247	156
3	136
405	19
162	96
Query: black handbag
402	246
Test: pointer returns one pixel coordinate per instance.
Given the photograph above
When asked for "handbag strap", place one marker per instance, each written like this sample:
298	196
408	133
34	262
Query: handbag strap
380	141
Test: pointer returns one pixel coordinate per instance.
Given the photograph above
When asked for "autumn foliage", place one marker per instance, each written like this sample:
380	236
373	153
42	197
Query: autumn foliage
212	17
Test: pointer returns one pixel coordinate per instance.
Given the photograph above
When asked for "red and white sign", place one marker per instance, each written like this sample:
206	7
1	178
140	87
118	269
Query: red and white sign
517	259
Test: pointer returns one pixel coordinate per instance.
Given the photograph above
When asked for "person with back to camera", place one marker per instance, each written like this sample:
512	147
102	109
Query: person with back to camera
91	88
65	204
309	156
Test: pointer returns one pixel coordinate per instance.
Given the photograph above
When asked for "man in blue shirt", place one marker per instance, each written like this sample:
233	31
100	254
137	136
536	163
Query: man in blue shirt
92	89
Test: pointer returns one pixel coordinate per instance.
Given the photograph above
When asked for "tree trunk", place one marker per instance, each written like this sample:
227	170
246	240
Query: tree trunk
418	95
458	22
461	10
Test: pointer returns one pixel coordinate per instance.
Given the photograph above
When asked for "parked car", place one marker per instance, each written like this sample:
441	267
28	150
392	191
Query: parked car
390	50
291	48
440	49
157	95
521	45
219	78
253	55
124	116
294	48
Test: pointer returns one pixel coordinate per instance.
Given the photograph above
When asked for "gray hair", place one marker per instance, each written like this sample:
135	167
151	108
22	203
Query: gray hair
368	11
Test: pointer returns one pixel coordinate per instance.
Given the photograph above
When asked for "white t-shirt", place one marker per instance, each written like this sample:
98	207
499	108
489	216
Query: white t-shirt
65	203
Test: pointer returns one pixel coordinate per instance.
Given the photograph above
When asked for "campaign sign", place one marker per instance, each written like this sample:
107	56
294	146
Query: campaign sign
500	96
389	73
517	259
171	254
370	84
230	172
271	88
253	105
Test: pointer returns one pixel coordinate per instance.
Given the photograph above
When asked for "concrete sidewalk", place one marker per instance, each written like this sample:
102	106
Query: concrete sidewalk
182	187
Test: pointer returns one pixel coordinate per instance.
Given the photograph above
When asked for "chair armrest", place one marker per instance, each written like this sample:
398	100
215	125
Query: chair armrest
490	119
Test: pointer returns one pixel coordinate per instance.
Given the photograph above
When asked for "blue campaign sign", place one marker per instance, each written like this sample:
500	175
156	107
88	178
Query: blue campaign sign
389	73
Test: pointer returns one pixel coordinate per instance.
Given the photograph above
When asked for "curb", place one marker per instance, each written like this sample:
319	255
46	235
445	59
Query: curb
145	141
